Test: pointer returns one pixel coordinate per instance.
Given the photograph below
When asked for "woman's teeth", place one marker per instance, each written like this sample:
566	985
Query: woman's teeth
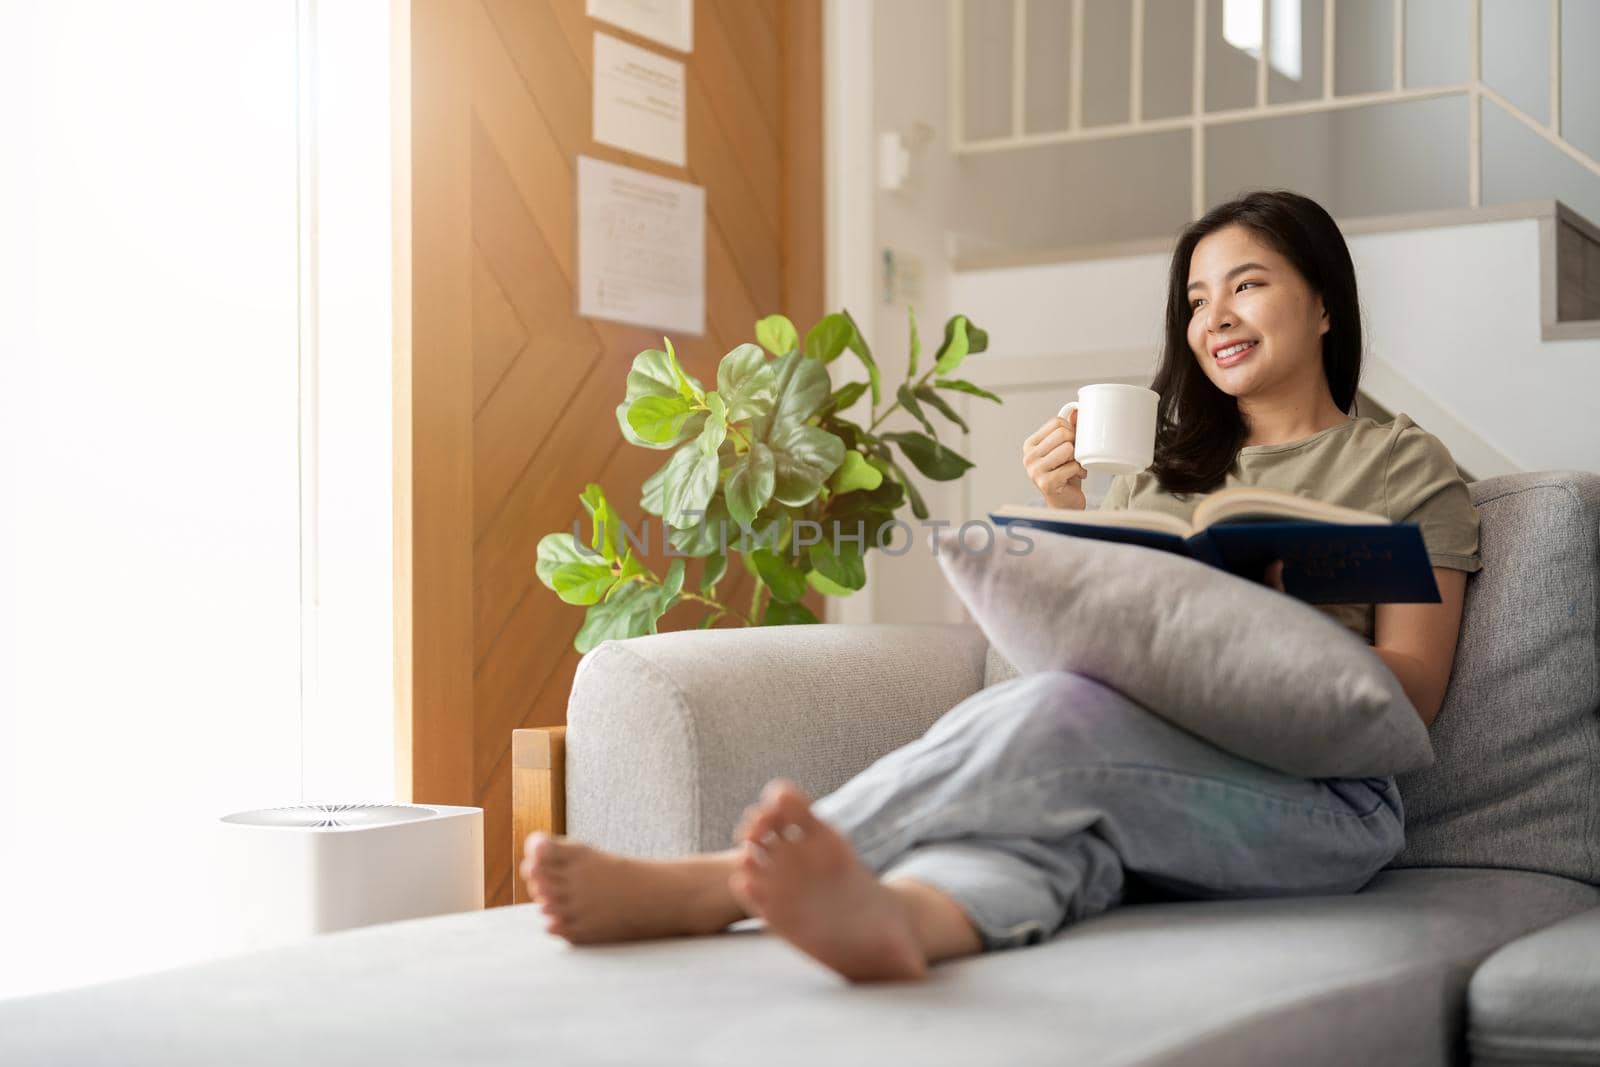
1234	353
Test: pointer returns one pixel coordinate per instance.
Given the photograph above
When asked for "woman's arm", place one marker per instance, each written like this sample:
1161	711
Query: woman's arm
1416	641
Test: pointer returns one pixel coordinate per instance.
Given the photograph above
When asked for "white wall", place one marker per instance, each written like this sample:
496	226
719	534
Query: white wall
908	222
152	281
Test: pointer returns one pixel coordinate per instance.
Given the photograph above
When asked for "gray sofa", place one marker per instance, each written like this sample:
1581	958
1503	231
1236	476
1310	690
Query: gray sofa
1481	943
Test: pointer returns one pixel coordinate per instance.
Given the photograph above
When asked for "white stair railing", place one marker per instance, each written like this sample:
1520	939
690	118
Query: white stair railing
1198	121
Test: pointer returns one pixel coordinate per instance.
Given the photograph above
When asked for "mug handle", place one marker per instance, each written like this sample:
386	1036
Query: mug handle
1065	408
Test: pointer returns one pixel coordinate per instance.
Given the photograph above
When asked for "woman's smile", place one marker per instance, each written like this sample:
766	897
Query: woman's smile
1234	353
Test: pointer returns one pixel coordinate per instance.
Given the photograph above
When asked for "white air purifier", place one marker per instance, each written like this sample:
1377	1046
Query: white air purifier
309	869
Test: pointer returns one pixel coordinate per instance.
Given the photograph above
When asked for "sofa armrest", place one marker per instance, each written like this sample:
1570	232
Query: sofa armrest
671	736
1534	1001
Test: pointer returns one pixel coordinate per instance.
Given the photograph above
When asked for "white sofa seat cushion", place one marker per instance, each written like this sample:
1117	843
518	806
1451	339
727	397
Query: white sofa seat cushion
1375	978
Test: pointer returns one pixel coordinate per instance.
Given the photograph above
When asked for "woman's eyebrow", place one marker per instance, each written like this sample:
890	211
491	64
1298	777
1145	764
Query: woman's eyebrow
1240	269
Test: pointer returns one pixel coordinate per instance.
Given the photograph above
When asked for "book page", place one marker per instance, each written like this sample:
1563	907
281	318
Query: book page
1131	519
1246	501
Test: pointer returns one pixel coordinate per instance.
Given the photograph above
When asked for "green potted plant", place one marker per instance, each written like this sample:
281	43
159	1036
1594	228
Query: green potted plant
764	467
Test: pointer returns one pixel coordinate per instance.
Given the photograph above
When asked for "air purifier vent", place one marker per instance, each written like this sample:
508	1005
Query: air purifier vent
331	816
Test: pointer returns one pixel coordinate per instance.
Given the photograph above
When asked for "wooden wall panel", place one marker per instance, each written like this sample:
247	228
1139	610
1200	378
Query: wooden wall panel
510	394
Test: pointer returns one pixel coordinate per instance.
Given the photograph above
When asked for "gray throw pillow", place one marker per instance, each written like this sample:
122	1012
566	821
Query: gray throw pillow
1253	671
1517	783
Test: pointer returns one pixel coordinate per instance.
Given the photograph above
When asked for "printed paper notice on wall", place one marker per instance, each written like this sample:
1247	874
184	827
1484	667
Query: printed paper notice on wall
641	248
669	22
638	100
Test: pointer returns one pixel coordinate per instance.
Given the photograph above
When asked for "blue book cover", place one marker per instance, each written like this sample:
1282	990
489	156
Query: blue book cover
1323	562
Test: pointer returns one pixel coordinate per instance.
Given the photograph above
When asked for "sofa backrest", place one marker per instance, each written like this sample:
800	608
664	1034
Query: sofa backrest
1516	780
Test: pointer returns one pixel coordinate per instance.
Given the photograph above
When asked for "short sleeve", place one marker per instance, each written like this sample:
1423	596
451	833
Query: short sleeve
1116	498
1422	485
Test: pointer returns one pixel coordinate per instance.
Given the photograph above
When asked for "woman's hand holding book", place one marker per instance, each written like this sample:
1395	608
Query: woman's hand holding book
1047	456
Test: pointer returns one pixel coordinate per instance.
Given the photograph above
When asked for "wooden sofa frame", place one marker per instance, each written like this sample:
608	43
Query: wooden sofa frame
538	792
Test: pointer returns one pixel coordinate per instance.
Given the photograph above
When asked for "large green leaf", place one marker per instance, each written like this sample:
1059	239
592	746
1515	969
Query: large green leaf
746	382
930	457
582	583
689	429
750	484
777	335
686	482
908	400
800	387
658	420
690	489
966	387
781	614
840	563
926	393
787	581
827	340
855	473
556	549
653	374
707	536
631	613
803	457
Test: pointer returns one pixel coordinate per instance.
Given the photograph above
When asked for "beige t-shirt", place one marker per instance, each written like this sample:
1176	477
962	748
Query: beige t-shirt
1394	469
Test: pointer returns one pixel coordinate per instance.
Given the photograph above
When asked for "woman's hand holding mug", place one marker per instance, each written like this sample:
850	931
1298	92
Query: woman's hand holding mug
1048	457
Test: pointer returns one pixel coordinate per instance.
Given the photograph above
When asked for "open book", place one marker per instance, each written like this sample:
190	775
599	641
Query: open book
1331	554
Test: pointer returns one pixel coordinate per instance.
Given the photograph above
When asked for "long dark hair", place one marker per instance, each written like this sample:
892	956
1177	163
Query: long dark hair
1199	430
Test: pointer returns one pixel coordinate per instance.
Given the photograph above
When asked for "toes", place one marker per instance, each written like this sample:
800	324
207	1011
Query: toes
765	825
746	821
778	788
794	809
754	857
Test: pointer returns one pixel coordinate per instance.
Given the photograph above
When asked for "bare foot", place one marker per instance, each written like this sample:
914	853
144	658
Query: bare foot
806	881
590	896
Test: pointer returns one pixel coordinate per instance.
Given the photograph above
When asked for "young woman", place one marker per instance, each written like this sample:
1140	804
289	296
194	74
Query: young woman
1050	798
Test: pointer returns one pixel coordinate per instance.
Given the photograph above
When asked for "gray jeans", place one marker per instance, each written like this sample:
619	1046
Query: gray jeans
1035	802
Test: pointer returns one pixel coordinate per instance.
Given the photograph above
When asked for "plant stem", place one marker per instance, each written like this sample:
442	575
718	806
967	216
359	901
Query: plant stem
721	608
651	579
755	601
895	406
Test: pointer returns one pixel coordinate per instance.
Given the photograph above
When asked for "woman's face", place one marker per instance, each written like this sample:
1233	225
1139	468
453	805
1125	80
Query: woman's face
1241	290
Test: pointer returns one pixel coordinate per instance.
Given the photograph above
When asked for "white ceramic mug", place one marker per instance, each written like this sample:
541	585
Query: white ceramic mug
1116	430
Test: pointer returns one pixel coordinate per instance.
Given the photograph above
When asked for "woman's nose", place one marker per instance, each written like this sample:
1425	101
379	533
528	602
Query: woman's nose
1219	318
